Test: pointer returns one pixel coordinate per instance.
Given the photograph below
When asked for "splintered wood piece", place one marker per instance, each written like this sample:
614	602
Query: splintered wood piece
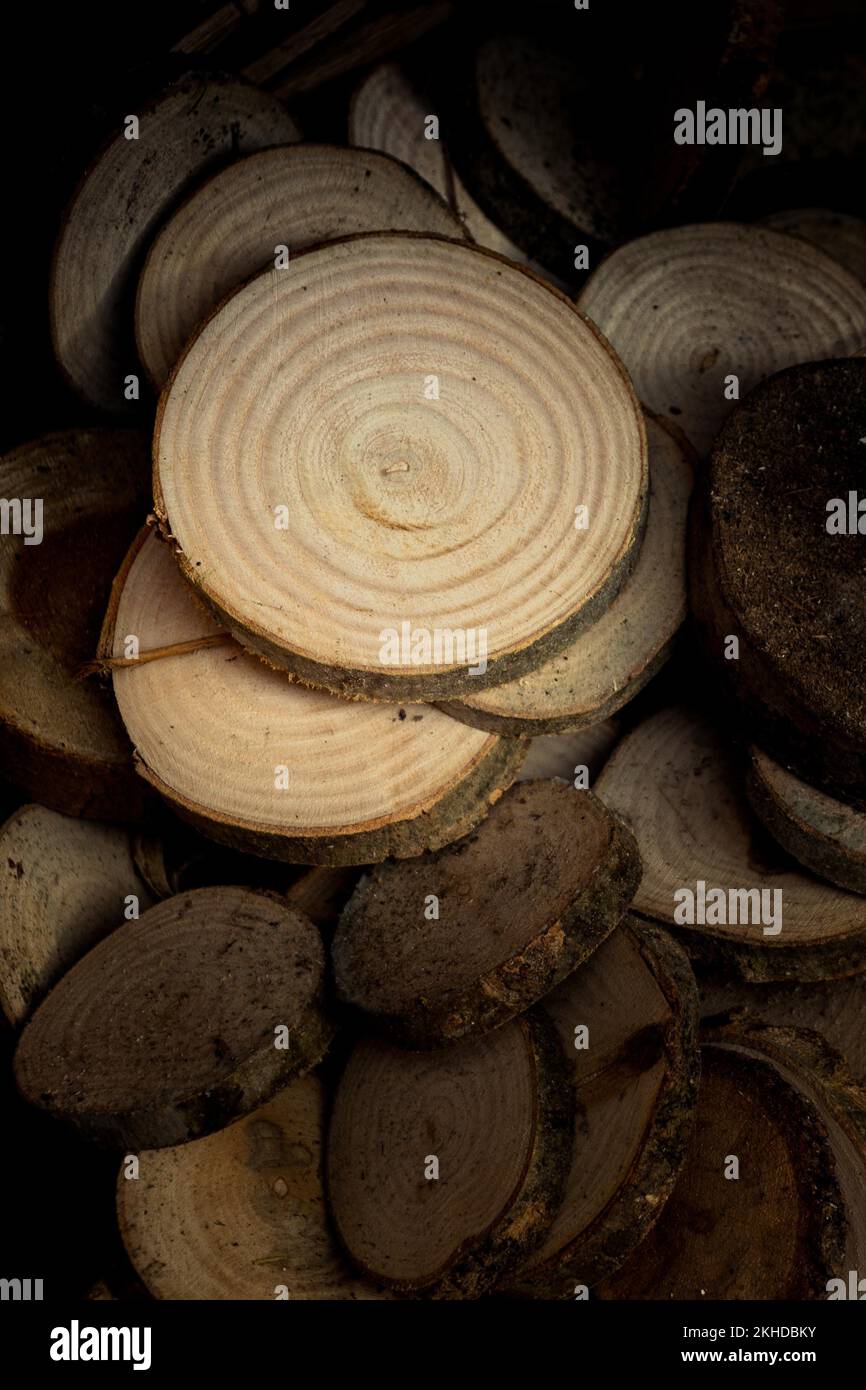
635	1080
271	63
361	43
82	495
233	225
268	766
444	1170
64	884
710	869
776	554
189	129
826	835
838	233
563	755
606	666
778	1231
456	943
409	530
240	1214
170	1027
688	307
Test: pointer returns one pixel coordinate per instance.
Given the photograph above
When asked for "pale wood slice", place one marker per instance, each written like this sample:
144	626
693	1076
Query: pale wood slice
229	228
635	1087
826	835
606	666
63	885
60	738
562	755
240	1214
362	43
188	130
166	1030
688	306
674	781
213	726
496	1113
456	514
459	942
838	233
778	1231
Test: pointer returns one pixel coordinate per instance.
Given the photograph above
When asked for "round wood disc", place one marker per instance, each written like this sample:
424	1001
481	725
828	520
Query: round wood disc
674	782
167	1030
688	307
456	943
60	738
416	534
272	767
635	1085
63	885
775	1232
838	233
191	128
563	755
240	1214
491	1116
826	835
605	667
230	226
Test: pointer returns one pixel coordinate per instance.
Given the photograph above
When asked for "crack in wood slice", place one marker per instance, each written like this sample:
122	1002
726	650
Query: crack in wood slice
167	1030
403	519
637	998
240	1214
214	728
606	666
495	1113
64	884
61	739
459	942
688	307
838	233
192	127
231	226
674	781
561	755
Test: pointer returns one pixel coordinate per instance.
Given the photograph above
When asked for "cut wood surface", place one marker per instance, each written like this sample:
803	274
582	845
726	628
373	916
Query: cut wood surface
838	233
322	893
675	782
271	767
435	948
240	1214
190	129
64	884
167	1030
635	1086
687	307
493	1115
605	667
826	835
60	738
380	521
562	755
231	226
776	1232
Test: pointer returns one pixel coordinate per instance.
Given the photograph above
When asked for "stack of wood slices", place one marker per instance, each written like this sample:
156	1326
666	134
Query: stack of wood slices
434	681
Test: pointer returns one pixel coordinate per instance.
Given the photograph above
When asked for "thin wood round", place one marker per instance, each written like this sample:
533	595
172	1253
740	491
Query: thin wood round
824	834
563	755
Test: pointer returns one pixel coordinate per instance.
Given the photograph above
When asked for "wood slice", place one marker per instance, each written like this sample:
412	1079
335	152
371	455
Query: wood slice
562	755
60	738
688	306
635	1087
213	726
763	566
819	831
63	886
674	781
165	1031
449	515
606	666
192	127
775	1232
838	233
241	1213
459	942
230	227
321	894
496	1113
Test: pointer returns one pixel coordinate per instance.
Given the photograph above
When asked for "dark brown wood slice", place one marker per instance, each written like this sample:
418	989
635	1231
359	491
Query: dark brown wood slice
495	1115
457	942
168	1029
